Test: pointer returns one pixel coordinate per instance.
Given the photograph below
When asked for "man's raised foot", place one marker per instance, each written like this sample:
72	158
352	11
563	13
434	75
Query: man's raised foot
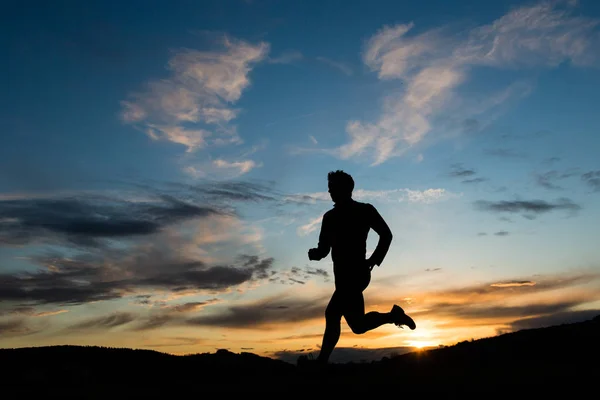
400	318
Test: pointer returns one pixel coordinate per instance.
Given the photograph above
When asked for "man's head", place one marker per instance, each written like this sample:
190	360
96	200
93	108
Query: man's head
340	185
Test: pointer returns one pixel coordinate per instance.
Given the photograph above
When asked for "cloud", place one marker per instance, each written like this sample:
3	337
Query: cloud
530	208
190	306
311	226
491	290
491	303
32	312
263	313
287	57
182	248
106	322
240	167
498	311
165	315
592	179
547	180
343	68
119	273
300	275
93	218
458	171
433	64
14	327
513	284
194	105
499	301
221	169
426	196
507	300
474	180
564	317
503	153
83	219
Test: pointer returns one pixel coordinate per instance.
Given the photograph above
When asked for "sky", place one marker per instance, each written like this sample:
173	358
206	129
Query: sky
163	169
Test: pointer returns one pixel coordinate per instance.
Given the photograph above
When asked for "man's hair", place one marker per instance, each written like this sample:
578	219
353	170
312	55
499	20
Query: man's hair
341	180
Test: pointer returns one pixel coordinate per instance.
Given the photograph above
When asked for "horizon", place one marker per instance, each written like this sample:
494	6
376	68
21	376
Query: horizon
164	170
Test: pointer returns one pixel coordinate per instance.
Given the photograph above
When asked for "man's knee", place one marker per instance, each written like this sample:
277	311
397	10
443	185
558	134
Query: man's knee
357	326
333	312
332	315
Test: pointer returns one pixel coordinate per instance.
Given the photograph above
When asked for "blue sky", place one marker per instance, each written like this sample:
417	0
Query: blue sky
164	164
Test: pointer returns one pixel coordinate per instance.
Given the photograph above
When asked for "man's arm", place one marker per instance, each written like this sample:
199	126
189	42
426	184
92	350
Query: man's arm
379	225
322	249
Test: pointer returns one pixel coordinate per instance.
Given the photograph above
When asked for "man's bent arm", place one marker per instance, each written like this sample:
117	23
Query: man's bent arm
324	239
379	225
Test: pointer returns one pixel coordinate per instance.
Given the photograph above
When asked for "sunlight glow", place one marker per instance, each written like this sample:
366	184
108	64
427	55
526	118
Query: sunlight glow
420	344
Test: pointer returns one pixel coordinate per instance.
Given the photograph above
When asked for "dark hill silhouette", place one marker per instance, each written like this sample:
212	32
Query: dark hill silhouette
545	360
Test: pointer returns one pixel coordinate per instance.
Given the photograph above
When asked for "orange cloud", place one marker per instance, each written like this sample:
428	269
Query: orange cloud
513	284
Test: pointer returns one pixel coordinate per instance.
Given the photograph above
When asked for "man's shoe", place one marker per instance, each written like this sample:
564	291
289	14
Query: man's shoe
400	318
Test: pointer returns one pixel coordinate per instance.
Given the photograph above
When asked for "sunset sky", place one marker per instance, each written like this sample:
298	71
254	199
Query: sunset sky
163	169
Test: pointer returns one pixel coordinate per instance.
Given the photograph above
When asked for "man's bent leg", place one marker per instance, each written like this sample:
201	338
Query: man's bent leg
354	313
333	319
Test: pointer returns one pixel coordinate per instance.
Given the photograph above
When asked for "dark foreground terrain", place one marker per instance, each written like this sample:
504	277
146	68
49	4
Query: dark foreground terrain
551	362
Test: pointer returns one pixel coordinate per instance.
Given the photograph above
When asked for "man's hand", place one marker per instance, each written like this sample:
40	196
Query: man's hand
370	264
313	254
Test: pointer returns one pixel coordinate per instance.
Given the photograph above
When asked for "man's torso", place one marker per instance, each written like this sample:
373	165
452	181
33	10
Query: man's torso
348	230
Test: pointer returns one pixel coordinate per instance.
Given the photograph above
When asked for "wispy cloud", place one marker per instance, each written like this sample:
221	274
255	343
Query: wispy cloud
495	303
221	168
503	153
343	68
105	322
311	226
85	220
193	106
240	167
467	174
434	63
592	179
287	57
32	312
264	313
426	196
513	284
459	171
300	276
190	306
15	327
528	208
549	179
174	239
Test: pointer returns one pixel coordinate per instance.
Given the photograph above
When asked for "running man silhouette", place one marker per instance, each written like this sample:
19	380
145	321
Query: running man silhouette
344	231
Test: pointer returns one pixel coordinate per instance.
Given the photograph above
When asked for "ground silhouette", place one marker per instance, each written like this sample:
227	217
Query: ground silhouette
545	361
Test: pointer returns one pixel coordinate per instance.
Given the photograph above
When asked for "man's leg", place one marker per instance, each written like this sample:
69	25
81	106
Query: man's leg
354	313
333	320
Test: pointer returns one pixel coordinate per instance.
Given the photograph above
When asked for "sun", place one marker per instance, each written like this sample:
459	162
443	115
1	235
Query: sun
421	344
